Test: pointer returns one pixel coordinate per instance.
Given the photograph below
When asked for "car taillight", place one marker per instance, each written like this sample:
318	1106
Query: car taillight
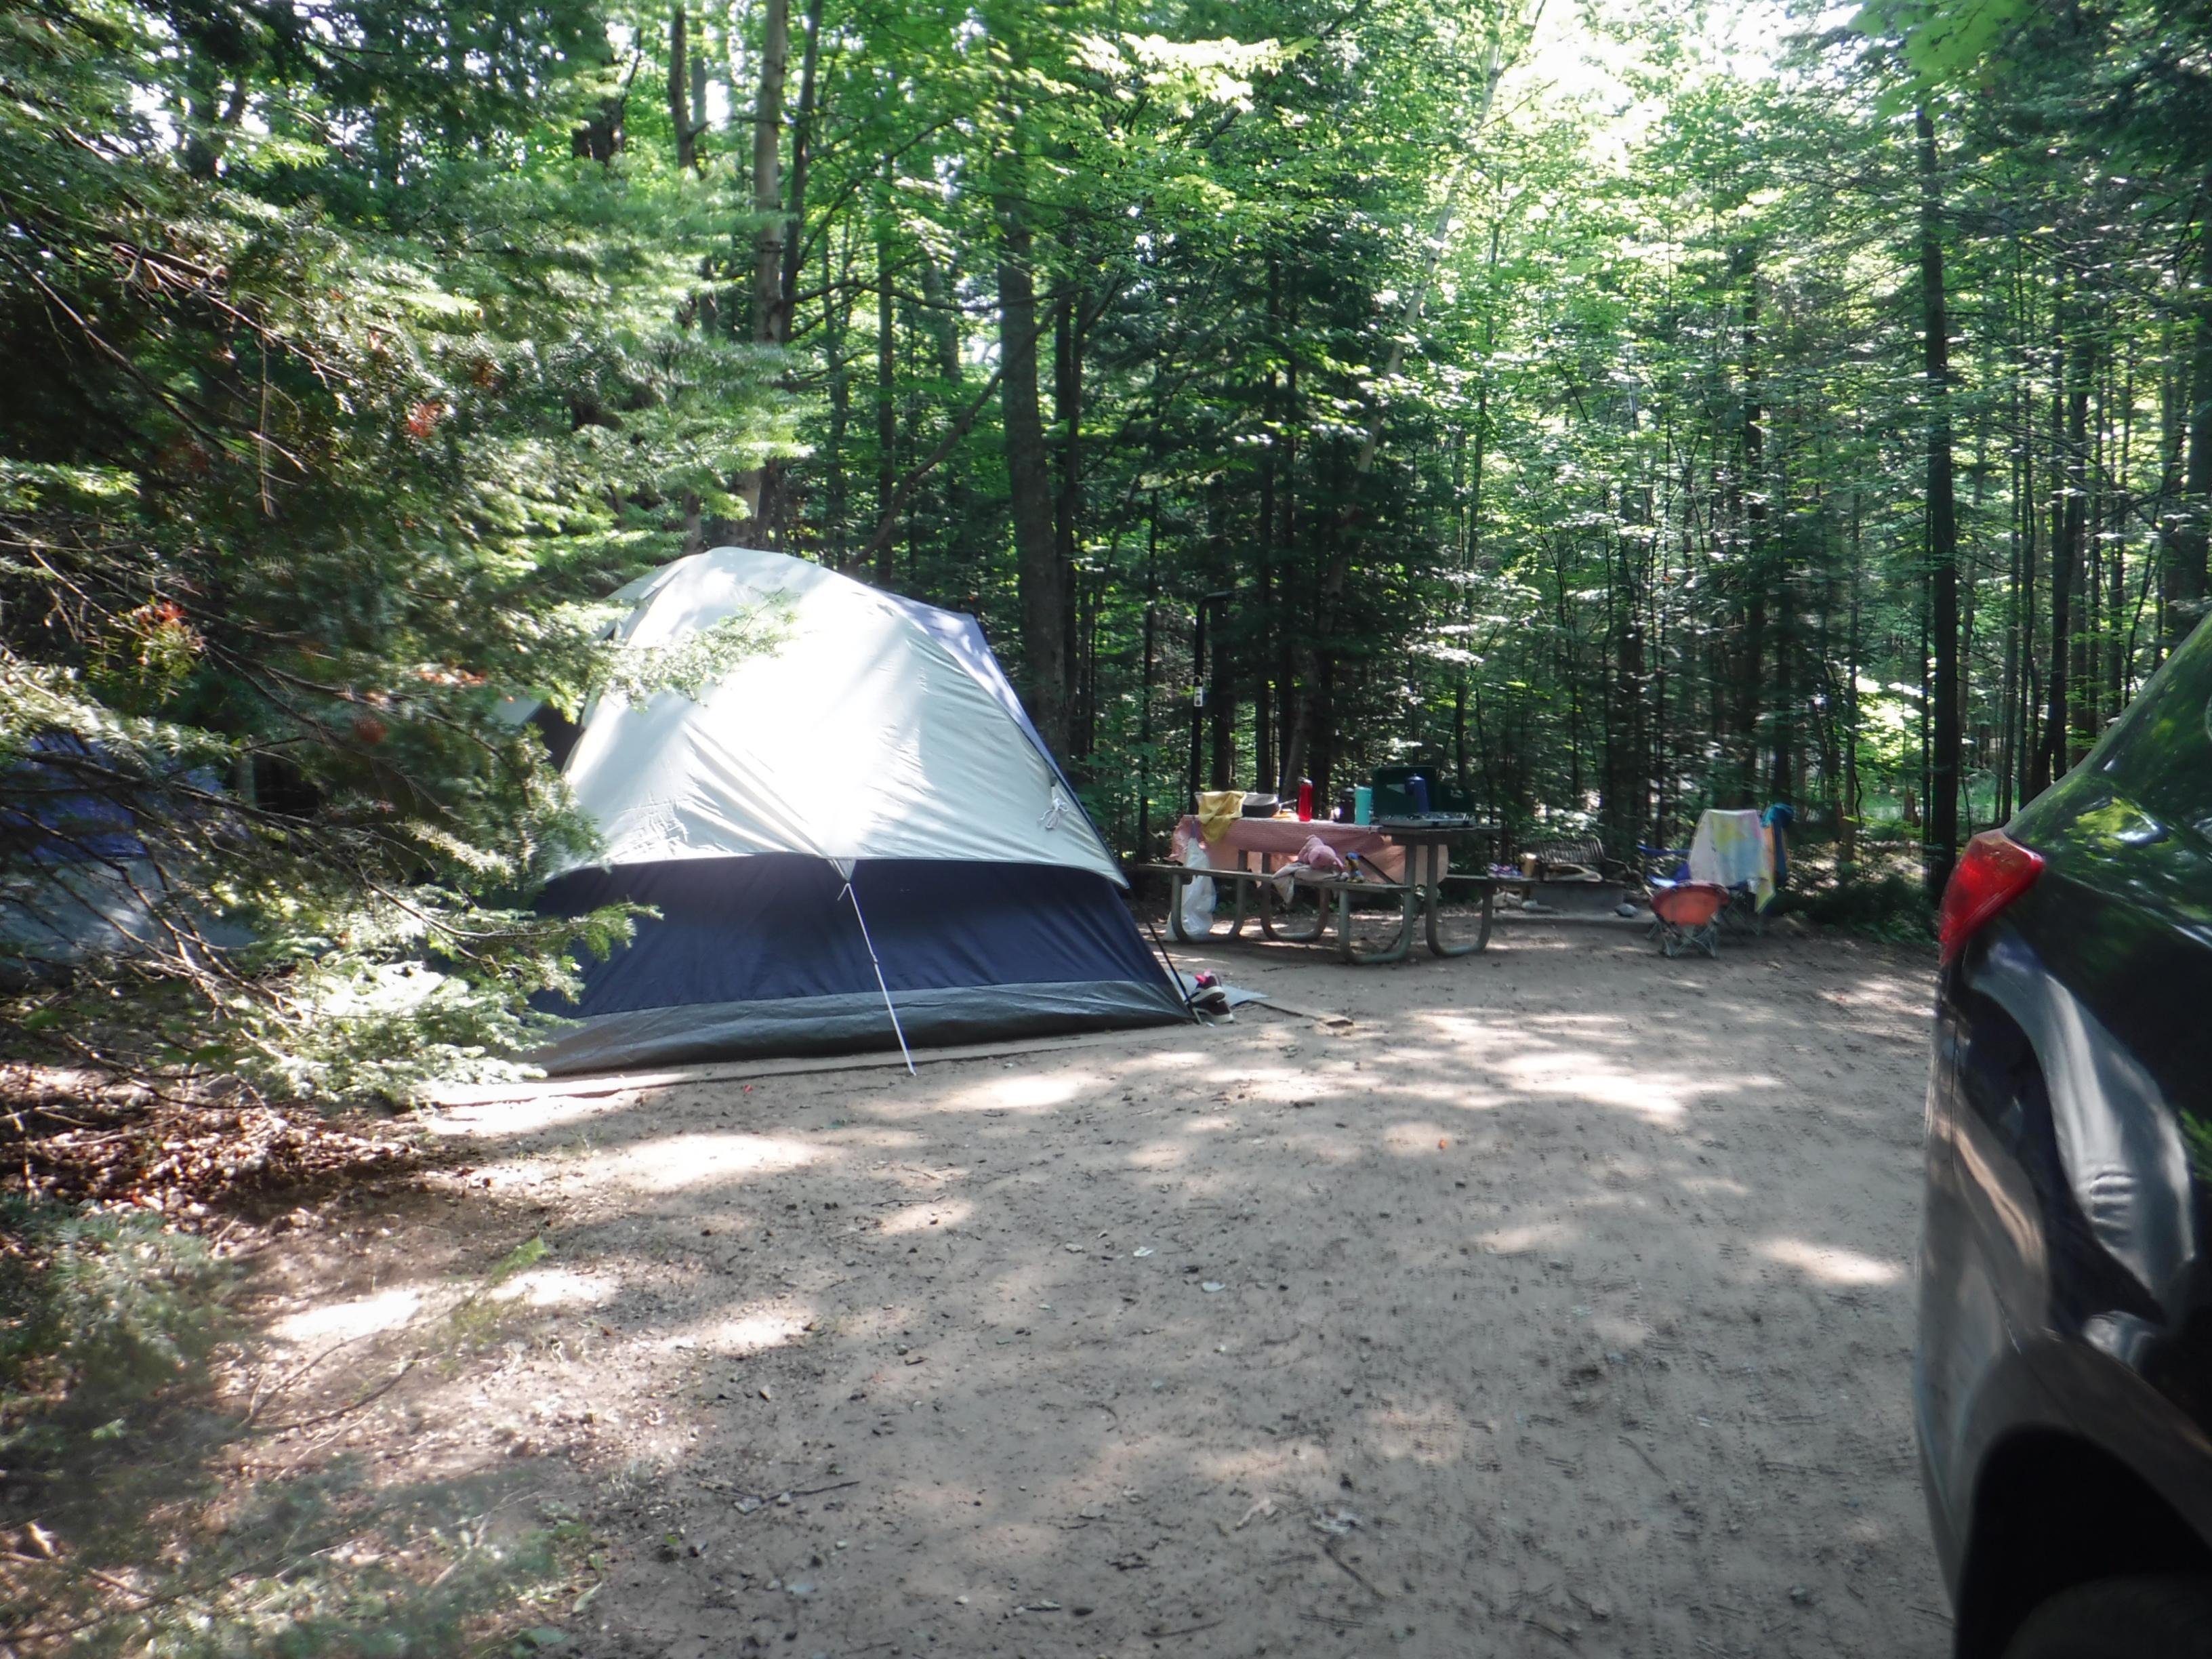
1993	872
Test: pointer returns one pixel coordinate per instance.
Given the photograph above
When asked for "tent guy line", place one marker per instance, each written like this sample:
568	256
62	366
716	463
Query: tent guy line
889	1007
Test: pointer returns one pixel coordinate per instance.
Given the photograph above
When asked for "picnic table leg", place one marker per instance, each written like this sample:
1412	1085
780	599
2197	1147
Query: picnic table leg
1177	931
1283	935
1398	950
1244	911
1435	904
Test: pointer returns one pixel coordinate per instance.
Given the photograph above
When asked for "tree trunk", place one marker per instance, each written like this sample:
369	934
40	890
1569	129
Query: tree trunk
1942	841
2009	734
886	409
1753	493
679	93
1267	625
1470	537
1221	667
602	137
775	506
1039	574
768	168
2185	570
1145	686
2051	747
768	206
2069	421
1847	837
1067	502
940	320
802	155
698	96
1293	709
836	322
2074	549
1460	639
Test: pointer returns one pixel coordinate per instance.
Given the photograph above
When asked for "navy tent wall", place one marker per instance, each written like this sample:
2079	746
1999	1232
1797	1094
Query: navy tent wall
759	955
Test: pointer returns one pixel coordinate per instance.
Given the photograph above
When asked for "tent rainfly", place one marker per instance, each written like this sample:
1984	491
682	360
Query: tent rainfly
855	839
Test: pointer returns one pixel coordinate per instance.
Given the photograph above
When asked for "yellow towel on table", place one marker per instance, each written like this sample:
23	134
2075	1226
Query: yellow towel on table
1216	810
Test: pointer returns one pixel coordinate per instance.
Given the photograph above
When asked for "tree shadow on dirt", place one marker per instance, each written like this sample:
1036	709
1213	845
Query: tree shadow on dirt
1560	1298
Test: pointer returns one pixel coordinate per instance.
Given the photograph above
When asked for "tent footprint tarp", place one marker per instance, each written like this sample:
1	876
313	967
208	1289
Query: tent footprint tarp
878	743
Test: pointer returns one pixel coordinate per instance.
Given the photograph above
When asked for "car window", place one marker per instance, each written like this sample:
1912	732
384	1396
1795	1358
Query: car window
2159	753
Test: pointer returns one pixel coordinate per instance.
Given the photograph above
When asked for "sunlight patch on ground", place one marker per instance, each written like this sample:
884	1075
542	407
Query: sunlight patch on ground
1904	999
1176	1062
749	1330
1518	1240
1712	1186
1621	1332
1414	1139
1656	1097
1432	1434
555	1287
1023	1091
1456	1094
1584	1026
698	1160
873	1138
1830	1265
1259	1470
387	1310
1451	1036
921	1218
1278	1086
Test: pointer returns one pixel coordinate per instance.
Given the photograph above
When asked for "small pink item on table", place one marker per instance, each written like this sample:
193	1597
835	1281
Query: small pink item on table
1318	854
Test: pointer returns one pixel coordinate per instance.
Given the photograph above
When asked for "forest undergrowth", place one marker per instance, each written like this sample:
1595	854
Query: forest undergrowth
168	1486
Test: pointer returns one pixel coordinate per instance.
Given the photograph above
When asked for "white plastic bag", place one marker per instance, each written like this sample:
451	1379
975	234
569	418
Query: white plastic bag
1197	894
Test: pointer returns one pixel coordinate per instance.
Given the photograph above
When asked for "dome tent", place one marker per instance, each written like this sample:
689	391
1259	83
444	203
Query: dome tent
867	795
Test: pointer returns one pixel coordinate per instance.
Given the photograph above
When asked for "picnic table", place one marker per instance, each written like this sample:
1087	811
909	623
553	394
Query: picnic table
1406	860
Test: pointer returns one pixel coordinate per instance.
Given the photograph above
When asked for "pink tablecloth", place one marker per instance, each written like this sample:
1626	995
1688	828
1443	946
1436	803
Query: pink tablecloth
1281	838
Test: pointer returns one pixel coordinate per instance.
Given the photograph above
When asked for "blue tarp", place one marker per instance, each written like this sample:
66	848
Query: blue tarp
46	816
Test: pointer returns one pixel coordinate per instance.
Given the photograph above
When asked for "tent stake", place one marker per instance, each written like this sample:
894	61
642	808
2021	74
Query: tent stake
890	1008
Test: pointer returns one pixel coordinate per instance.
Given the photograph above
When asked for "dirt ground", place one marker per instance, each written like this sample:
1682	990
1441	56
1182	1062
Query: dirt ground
1559	1301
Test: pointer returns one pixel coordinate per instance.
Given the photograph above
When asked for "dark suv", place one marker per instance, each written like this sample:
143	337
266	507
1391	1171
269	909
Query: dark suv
2064	1379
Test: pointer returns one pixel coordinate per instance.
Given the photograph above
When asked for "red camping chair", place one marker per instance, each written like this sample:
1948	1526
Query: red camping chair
1687	916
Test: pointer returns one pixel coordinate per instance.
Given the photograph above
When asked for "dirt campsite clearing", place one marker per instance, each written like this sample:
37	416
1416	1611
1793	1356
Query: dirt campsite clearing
1552	1300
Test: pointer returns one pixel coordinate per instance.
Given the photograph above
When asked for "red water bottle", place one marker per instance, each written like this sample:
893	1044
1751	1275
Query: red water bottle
1305	800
